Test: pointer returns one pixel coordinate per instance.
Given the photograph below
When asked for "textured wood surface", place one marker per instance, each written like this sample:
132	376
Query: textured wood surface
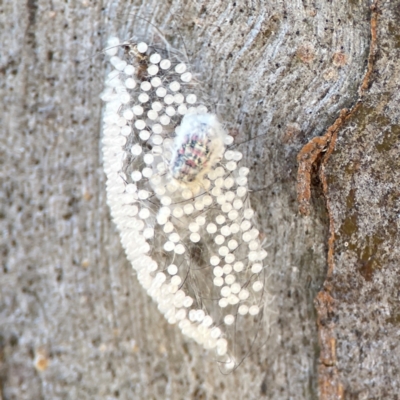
74	322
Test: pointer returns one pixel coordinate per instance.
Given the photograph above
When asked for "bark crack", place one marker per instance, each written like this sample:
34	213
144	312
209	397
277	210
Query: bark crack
310	156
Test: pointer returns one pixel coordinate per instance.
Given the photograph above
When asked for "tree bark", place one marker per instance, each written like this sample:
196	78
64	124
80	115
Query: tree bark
75	323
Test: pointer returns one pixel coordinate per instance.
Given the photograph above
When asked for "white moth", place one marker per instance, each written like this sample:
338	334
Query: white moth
179	198
198	146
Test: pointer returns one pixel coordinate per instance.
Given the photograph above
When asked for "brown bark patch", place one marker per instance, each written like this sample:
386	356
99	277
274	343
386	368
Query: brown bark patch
306	53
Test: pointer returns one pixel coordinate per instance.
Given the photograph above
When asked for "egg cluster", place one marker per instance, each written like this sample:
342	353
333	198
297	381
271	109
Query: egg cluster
179	198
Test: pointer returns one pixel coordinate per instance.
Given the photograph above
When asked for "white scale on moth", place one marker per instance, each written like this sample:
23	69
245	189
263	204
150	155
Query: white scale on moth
173	186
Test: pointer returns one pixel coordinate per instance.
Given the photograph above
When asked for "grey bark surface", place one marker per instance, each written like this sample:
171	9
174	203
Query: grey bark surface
363	194
74	322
